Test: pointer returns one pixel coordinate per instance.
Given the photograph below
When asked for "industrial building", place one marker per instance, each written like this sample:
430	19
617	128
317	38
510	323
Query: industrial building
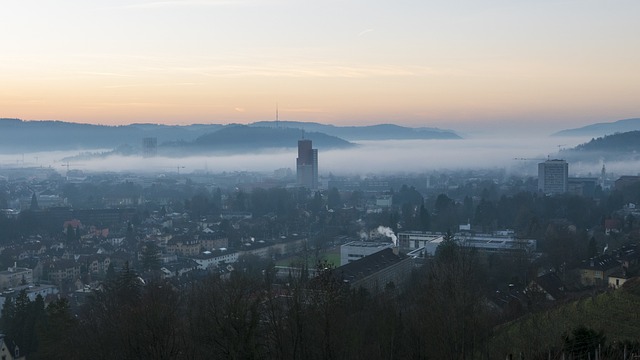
356	250
412	240
377	271
500	242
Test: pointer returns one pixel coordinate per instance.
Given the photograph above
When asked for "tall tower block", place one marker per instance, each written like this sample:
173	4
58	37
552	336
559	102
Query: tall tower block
307	164
553	176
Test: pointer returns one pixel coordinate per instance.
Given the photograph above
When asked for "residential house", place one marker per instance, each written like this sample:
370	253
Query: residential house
96	264
61	270
9	351
618	278
596	271
212	242
210	259
184	246
549	285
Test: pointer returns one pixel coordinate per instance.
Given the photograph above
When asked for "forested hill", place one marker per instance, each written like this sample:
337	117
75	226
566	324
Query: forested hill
621	146
241	138
23	136
18	136
621	142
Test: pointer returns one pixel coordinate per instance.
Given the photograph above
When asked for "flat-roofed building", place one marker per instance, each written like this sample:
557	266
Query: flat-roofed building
505	243
15	276
501	242
356	250
412	240
553	176
377	271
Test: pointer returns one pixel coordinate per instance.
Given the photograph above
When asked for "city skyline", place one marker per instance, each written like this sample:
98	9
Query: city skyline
457	65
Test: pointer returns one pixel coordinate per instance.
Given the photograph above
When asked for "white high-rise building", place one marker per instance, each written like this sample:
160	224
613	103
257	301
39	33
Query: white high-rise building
553	176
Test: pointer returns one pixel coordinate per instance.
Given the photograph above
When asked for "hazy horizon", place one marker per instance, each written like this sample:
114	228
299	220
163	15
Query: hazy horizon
369	157
465	131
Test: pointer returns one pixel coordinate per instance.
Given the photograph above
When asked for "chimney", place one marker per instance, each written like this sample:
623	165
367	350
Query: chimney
396	250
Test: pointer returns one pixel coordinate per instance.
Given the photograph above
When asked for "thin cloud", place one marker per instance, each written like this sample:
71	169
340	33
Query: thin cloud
186	3
303	110
146	85
366	31
109	74
313	70
244	65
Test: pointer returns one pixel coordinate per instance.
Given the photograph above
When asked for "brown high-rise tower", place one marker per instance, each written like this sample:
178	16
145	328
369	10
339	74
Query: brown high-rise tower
307	164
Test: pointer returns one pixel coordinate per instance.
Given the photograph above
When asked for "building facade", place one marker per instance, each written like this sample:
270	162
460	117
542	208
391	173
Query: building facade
412	240
356	250
596	271
553	176
376	272
15	276
307	164
149	147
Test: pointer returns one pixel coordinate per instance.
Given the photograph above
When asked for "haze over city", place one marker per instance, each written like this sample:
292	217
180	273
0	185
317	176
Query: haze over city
370	157
463	65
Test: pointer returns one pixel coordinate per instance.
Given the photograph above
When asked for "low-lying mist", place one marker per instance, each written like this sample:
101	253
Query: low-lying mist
516	155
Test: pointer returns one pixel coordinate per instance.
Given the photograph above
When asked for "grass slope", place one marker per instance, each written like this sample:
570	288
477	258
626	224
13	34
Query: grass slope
615	313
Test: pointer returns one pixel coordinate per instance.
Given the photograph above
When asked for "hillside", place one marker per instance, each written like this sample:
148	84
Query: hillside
601	129
242	138
18	136
370	132
620	142
620	146
615	313
24	136
232	139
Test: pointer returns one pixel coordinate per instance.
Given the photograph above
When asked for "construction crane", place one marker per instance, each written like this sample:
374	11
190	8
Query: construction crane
531	159
67	165
172	167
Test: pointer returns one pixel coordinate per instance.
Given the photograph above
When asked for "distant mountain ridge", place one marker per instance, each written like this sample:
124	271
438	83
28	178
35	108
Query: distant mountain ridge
243	138
22	136
367	132
232	139
601	129
26	136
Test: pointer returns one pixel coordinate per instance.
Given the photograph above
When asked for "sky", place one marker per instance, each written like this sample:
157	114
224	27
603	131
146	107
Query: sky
465	65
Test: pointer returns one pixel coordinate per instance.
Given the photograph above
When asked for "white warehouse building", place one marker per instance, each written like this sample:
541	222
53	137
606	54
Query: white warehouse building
356	250
502	242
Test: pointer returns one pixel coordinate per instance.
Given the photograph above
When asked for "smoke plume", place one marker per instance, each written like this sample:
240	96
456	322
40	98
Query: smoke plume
383	230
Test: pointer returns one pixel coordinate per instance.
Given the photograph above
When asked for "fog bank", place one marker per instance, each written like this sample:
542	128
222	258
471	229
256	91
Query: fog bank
369	157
